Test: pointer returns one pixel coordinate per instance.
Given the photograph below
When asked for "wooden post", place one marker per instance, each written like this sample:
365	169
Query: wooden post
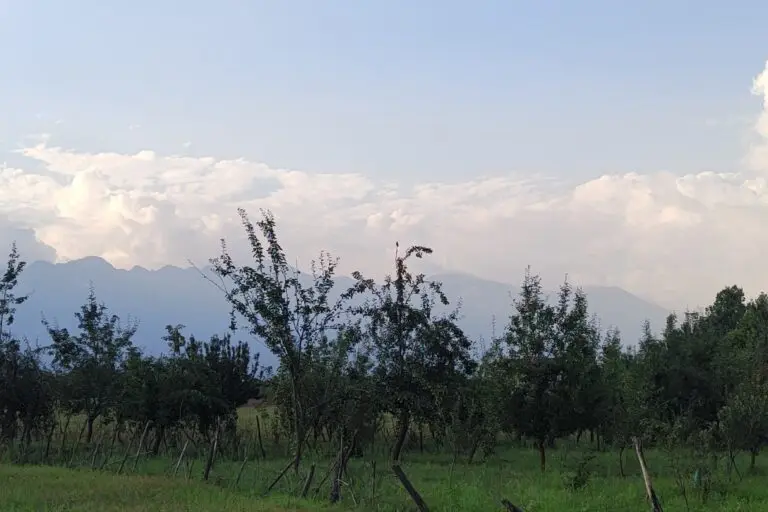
652	498
48	442
242	467
373	482
211	453
77	445
327	474
127	452
115	434
64	432
308	482
258	436
96	450
181	457
510	507
189	468
336	484
280	476
141	443
415	496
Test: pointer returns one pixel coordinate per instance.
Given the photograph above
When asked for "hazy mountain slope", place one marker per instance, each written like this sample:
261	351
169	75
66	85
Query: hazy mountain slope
483	299
173	295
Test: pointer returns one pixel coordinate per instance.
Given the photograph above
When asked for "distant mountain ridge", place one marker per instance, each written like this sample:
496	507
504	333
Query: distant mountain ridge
173	295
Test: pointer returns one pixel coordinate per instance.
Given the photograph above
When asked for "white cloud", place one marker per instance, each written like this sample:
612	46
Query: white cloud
676	239
758	157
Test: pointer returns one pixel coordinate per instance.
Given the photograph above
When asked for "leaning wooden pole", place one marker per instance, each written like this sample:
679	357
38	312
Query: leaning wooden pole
181	457
141	445
308	481
211	454
415	496
652	498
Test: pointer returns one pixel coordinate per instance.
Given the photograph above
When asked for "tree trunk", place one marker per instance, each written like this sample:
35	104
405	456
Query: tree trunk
402	433
159	435
473	449
315	435
621	461
437	441
543	454
298	424
752	459
89	428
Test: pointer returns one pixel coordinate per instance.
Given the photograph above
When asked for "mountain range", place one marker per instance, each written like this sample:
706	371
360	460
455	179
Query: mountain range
173	295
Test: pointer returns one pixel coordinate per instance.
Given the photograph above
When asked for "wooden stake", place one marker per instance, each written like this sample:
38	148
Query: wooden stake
415	496
211	453
308	482
141	443
652	498
181	457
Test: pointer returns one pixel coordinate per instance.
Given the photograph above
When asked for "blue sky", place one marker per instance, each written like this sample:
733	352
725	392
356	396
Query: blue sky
404	90
433	122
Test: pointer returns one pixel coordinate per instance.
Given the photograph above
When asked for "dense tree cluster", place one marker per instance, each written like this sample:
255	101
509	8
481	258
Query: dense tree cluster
392	353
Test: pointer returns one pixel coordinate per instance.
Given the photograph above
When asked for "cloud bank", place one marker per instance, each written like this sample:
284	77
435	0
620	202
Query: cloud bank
674	238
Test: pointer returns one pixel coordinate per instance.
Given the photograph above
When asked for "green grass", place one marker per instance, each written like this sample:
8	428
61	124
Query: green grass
465	488
512	473
40	488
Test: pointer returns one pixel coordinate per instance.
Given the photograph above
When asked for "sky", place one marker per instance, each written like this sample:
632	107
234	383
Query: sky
625	144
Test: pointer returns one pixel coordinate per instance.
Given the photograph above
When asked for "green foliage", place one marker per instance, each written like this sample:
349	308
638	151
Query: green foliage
743	421
26	399
8	298
419	356
579	478
387	361
550	354
290	318
89	363
25	396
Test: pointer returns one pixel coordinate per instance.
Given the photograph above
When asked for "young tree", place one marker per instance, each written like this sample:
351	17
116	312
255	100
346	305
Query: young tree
551	358
149	393
417	353
529	358
743	420
288	316
473	411
8	298
339	387
25	392
578	342
619	410
92	359
743	366
193	388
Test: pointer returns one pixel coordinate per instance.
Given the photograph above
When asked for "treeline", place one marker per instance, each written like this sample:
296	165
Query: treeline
390	354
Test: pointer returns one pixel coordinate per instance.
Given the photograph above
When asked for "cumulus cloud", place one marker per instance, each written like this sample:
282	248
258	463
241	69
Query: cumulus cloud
674	238
758	157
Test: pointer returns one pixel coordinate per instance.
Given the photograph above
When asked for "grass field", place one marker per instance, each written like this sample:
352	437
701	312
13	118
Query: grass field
476	488
513	473
38	488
